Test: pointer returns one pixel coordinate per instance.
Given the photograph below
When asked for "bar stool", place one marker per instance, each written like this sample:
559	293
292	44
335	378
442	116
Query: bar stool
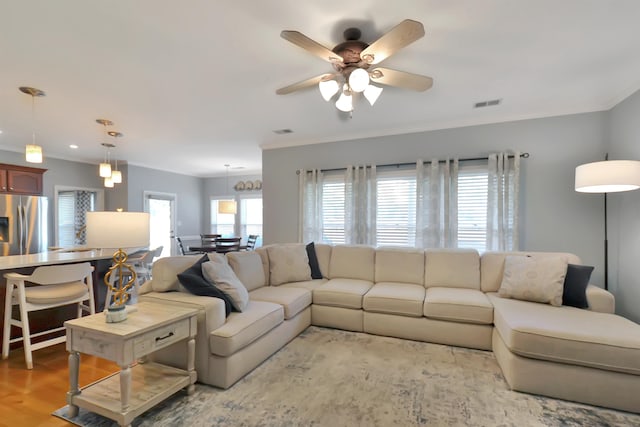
59	285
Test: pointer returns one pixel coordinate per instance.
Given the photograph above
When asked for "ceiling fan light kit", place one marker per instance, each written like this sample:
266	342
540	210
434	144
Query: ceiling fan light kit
352	59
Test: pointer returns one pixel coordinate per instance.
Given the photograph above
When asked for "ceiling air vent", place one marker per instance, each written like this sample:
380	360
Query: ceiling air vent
490	103
282	131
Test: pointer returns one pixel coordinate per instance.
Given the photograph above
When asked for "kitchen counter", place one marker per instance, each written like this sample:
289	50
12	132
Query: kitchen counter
60	256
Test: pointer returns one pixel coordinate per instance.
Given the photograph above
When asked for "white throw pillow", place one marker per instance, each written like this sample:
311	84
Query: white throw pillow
537	279
288	263
248	267
219	273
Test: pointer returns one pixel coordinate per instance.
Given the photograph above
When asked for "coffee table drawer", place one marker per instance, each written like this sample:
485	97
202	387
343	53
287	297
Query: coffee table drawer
160	338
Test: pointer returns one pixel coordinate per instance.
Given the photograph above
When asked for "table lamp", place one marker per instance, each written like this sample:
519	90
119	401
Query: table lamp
118	230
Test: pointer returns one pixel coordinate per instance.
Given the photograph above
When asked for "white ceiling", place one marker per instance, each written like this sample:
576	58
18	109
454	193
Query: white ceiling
191	84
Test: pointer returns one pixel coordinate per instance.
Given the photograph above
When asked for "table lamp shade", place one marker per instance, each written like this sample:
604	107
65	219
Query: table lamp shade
609	176
117	229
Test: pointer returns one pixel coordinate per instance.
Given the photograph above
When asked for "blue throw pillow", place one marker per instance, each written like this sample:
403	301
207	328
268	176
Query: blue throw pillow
575	285
314	265
193	280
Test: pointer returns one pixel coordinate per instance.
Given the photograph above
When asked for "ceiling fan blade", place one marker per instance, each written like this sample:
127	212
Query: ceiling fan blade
395	39
401	79
311	46
304	84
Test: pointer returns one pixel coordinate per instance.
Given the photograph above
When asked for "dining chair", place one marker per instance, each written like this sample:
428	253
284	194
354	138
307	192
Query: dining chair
251	242
182	249
55	286
209	239
228	244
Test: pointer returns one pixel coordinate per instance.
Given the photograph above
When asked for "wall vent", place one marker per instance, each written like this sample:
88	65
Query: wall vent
282	131
489	103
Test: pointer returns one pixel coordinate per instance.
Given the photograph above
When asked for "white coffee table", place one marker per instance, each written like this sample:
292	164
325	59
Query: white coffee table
138	386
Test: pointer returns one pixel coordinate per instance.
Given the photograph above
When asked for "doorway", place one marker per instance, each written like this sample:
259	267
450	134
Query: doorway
162	221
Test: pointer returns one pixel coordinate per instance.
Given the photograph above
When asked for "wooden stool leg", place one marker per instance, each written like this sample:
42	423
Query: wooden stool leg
6	330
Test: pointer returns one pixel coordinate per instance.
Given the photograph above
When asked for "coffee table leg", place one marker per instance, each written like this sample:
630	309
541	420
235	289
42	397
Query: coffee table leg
74	366
125	387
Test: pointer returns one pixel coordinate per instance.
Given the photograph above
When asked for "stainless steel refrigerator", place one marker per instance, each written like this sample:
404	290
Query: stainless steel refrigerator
23	224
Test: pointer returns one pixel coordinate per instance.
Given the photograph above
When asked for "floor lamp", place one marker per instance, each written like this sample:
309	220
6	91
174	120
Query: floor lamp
609	176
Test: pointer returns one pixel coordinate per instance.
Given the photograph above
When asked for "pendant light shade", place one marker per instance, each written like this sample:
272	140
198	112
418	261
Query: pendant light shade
372	93
328	88
345	102
359	80
33	153
108	182
105	170
116	177
227	206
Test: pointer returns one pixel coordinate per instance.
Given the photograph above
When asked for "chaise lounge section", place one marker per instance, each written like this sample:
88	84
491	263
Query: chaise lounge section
434	295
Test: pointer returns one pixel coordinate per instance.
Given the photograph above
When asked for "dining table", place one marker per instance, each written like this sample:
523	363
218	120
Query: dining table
210	248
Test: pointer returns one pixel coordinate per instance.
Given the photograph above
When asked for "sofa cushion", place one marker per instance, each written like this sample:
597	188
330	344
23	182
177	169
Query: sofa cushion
399	265
219	273
395	298
574	291
345	293
288	263
538	279
492	266
568	335
241	329
165	272
248	267
458	305
452	268
352	262
307	284
293	300
323	252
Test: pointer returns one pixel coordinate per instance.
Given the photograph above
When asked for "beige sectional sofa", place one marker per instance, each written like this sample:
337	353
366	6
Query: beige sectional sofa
440	296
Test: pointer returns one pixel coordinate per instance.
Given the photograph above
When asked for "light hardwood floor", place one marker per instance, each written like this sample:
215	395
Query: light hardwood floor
28	397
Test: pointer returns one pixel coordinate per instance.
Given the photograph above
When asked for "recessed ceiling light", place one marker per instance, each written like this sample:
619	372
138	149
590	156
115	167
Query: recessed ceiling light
73	146
0	130
282	131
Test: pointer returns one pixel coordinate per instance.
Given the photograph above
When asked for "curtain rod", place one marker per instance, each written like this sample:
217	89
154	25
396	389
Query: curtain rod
470	159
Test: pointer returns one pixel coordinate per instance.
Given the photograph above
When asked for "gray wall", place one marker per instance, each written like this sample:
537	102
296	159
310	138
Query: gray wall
553	216
624	212
187	188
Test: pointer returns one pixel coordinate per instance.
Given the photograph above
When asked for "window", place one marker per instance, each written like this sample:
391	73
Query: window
246	221
222	223
333	209
72	206
396	208
472	207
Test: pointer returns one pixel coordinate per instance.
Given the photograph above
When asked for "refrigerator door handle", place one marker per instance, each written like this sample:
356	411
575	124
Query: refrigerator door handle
26	230
20	231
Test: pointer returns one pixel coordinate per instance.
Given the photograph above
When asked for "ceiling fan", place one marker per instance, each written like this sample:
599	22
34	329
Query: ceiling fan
353	61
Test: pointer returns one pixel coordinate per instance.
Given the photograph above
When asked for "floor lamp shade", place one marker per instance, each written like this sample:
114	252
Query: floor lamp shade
117	229
609	176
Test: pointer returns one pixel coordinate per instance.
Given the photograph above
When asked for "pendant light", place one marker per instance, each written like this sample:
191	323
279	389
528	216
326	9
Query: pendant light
105	167
227	206
33	152
116	175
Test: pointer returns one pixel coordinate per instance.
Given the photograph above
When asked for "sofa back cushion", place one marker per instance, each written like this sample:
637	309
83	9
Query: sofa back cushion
247	265
352	262
452	268
492	266
288	263
403	265
165	272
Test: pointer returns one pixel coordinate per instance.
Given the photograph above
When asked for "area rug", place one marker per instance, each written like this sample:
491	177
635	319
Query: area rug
335	378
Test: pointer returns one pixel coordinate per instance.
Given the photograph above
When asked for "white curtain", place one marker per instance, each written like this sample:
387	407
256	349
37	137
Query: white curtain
310	205
360	205
502	209
437	203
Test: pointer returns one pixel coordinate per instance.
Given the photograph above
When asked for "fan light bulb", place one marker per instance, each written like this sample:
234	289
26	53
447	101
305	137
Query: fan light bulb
328	88
372	93
345	102
359	80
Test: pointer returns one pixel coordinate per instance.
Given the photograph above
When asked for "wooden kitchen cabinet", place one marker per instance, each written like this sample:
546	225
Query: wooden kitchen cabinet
16	179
